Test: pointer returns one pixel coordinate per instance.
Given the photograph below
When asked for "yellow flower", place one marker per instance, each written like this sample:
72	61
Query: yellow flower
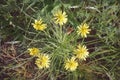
71	64
33	51
43	61
81	52
38	25
83	29
60	17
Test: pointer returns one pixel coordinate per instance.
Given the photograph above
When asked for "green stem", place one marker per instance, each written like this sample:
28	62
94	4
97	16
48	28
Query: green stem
33	39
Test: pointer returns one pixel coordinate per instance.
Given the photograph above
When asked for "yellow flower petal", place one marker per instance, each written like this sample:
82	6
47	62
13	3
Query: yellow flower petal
71	64
81	52
38	25
83	30
33	51
43	61
60	17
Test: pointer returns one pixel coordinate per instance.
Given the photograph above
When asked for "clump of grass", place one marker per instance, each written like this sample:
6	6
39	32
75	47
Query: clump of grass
59	39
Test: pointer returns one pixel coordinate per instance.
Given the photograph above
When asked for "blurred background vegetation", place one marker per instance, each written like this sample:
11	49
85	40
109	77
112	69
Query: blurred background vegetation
103	16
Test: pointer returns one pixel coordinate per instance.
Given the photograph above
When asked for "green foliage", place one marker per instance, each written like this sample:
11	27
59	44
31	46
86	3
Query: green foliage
103	43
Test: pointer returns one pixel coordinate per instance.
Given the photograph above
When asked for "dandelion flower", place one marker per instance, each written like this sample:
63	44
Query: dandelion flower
43	61
81	52
83	30
60	17
71	64
33	51
39	25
